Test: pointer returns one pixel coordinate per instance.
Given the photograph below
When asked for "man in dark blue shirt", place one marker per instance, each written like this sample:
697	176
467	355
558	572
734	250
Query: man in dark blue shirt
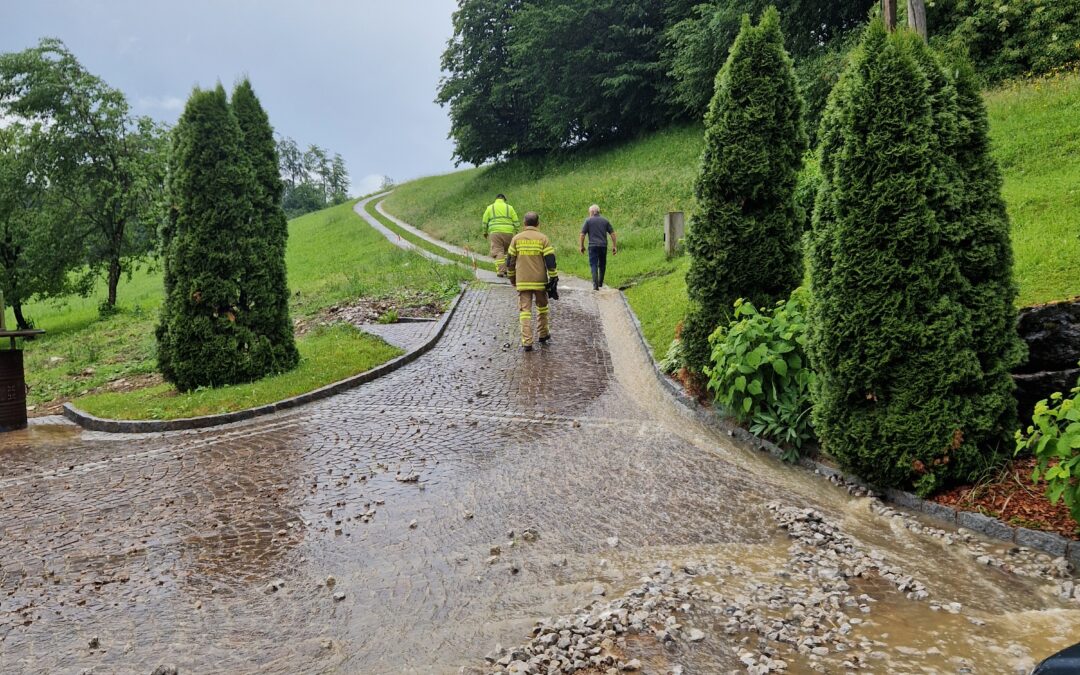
597	228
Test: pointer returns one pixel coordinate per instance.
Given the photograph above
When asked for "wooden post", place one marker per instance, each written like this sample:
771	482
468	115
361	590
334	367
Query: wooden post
888	11
674	231
916	17
3	312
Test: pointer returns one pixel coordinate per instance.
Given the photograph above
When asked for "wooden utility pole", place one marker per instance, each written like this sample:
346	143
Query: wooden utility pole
888	11
916	17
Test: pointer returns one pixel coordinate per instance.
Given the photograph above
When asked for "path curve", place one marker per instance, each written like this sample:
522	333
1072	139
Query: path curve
211	549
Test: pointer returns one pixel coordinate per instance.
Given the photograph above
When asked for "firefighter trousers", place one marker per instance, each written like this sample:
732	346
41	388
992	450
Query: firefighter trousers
500	241
525	303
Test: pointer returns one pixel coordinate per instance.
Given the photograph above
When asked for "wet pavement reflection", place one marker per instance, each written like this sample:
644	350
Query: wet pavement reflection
381	531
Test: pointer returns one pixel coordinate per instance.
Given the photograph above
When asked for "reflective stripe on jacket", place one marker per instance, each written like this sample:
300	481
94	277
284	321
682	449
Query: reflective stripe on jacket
530	260
500	217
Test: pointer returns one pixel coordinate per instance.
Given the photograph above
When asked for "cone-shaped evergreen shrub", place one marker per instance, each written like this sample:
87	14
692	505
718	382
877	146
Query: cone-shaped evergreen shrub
266	284
205	338
901	398
745	238
985	254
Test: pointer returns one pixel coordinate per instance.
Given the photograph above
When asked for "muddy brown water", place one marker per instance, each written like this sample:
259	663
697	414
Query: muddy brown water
164	549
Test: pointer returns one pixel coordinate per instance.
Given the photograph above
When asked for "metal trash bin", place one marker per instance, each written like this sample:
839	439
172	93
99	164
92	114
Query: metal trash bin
13	381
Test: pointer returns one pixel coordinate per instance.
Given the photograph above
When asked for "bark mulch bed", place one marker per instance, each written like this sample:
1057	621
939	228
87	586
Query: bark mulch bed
1012	497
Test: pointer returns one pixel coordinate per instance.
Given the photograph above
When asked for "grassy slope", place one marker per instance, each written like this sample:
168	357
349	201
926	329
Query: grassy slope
1036	133
635	184
333	257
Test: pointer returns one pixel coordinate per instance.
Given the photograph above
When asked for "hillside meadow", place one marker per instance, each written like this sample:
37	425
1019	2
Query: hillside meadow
1035	128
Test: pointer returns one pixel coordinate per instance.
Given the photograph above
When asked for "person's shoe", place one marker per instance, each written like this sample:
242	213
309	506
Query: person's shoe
501	275
595	287
526	348
545	339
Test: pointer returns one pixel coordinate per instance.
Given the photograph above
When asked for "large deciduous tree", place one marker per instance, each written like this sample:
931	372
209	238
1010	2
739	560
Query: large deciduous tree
208	333
487	114
744	240
41	247
106	161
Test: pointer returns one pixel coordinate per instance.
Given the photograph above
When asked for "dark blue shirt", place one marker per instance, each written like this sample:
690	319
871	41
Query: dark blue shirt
598	228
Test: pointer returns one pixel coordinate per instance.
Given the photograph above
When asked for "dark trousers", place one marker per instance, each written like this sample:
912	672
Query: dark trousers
598	264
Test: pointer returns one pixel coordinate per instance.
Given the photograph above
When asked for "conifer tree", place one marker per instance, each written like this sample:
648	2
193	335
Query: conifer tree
204	335
745	239
890	336
265	283
984	251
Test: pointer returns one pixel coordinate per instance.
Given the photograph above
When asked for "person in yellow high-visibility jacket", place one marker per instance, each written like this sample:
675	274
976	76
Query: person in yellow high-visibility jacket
500	224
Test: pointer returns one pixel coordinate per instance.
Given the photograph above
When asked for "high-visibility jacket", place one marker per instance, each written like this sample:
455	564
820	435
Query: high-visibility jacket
500	217
530	260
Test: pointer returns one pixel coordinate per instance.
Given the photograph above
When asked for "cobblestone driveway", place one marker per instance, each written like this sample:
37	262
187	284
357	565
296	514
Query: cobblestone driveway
210	550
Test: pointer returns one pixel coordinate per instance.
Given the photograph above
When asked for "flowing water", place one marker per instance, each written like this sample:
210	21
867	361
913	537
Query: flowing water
211	550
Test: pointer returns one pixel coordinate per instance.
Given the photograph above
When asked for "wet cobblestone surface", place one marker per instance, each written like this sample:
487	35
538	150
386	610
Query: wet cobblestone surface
357	534
406	335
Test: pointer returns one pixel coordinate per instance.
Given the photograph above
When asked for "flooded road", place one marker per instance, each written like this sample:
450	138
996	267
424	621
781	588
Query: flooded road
415	523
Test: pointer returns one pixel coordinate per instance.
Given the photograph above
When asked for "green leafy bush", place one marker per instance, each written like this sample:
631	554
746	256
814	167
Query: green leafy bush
1054	439
760	372
1009	39
673	361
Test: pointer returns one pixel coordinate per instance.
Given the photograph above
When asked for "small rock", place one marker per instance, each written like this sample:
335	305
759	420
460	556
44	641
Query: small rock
696	635
631	665
410	478
468	515
613	542
165	670
330	581
326	643
339	596
94	642
412	524
598	589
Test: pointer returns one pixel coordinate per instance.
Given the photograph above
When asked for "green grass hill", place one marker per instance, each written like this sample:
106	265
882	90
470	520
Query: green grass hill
1035	127
333	258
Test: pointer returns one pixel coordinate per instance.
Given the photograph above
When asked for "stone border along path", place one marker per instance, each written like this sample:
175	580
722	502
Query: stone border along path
94	423
1047	542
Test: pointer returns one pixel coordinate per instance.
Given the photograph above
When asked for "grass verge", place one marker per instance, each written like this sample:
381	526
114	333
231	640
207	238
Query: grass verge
333	258
327	355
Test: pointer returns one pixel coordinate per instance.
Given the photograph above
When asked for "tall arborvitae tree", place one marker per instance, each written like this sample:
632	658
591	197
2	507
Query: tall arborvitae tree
891	339
745	239
984	252
205	336
265	283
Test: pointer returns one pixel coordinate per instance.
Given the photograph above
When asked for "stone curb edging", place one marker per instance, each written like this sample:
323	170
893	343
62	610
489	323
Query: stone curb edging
1046	542
92	423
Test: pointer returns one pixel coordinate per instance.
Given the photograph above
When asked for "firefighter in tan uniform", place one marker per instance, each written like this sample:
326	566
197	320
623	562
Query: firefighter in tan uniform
500	224
530	264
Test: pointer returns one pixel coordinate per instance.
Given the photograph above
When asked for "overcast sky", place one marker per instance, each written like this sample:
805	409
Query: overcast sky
357	77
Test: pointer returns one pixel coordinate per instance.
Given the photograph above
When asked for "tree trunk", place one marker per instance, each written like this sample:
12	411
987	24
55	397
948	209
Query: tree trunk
20	320
888	11
916	17
114	280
